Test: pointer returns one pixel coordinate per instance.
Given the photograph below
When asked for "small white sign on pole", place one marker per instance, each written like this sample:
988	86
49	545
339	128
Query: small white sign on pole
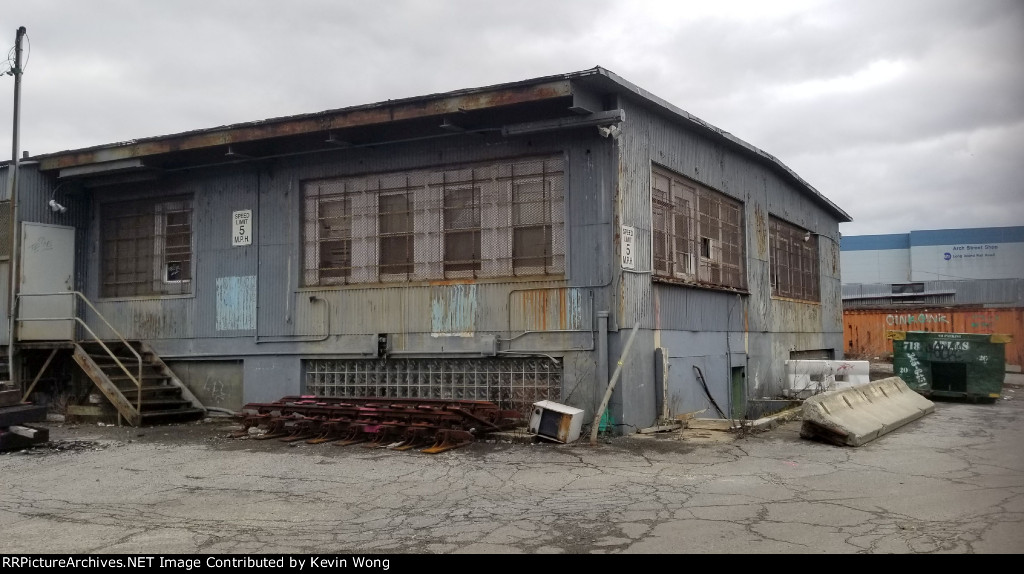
242	222
626	249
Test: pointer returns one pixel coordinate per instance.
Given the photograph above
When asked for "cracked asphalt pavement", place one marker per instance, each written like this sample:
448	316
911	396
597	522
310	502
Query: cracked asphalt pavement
950	482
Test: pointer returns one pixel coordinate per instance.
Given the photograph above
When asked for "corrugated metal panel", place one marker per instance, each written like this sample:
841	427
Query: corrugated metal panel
591	168
453	309
986	291
146	318
633	199
421	308
968	292
224	274
35	191
865	330
688	309
236	303
551	309
795	317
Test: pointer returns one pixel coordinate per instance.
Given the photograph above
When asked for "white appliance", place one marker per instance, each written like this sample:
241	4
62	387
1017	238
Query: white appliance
556	421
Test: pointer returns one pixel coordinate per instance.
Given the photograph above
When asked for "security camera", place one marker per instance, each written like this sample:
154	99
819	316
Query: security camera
612	131
56	207
807	236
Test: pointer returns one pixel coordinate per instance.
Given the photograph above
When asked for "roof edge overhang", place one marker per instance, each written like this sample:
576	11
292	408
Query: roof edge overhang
435	105
652	101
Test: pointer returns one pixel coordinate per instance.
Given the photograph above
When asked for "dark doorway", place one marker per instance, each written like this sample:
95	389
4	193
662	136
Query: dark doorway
949	377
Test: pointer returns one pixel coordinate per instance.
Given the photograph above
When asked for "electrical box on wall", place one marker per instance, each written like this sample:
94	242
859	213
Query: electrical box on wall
556	421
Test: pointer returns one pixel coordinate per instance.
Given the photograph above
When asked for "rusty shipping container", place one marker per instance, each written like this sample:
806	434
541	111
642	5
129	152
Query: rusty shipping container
865	328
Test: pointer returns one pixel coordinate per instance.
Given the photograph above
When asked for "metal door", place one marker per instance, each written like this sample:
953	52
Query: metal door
47	266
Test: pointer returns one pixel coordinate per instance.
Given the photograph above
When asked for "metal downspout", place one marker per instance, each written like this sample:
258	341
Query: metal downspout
602	353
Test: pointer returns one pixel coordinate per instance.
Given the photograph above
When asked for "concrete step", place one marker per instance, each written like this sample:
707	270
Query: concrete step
171	415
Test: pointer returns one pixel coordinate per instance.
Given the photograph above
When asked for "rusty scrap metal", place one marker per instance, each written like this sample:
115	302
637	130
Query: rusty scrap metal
430	425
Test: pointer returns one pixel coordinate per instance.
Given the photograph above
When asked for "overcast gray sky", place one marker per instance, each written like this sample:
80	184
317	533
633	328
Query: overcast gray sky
908	114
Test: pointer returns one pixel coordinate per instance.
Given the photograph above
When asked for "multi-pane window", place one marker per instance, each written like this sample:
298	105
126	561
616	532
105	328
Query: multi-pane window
395	217
334	235
462	229
531	224
697	232
147	247
486	220
794	262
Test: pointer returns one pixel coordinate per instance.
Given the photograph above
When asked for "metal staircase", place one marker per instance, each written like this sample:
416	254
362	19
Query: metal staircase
129	373
150	395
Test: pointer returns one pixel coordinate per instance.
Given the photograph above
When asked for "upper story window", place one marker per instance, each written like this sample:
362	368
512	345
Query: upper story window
794	261
146	247
498	219
698	234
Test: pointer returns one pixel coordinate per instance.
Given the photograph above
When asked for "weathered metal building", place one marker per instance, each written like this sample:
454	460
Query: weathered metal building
496	243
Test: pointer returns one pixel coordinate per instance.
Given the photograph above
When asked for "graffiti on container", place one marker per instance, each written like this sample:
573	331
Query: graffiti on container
912	319
948	350
915	370
984	320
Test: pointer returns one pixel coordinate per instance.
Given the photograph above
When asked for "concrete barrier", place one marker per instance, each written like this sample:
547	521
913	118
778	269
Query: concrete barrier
806	377
861	413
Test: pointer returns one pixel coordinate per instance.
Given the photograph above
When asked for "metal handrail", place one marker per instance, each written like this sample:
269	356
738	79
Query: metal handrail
74	336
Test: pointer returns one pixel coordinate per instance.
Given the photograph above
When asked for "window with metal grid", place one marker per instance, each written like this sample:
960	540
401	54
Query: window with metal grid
698	235
794	262
146	247
496	219
511	383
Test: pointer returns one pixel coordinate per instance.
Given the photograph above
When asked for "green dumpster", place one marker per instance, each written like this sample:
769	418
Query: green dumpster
956	365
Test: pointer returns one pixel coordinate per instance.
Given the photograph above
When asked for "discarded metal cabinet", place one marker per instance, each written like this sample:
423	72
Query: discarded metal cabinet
556	421
956	365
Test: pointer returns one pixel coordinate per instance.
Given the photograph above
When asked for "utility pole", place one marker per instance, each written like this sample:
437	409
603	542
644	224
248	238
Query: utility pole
12	194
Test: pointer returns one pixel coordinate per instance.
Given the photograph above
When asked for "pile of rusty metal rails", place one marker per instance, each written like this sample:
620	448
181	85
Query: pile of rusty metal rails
428	425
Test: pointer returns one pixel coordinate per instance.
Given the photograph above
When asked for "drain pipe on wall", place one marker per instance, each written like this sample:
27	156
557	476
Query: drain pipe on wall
602	351
611	385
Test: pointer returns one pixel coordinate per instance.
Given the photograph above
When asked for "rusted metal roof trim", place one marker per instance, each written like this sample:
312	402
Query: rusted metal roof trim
639	93
532	90
371	114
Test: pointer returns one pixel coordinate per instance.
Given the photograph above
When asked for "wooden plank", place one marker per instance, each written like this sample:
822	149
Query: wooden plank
661	428
120	402
710	424
86	411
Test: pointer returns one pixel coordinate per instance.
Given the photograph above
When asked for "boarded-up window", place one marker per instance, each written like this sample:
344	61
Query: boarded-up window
146	247
794	262
483	220
698	235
